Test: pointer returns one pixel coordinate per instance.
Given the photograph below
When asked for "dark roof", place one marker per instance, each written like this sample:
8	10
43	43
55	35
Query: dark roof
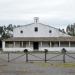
40	39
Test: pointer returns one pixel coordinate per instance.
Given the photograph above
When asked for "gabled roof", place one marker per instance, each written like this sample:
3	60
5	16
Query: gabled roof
44	25
41	24
25	25
38	23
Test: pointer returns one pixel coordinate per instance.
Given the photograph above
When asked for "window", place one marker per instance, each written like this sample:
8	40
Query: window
18	44
21	31
46	44
64	44
24	44
36	29
54	44
50	31
9	44
72	44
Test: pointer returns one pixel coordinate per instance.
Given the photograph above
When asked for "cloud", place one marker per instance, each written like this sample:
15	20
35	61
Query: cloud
19	11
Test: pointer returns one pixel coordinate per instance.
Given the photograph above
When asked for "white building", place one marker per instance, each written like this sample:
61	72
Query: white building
37	37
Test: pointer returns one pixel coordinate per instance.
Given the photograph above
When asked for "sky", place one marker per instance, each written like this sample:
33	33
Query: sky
57	13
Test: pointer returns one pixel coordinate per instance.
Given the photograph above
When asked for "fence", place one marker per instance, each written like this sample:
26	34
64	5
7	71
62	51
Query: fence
45	56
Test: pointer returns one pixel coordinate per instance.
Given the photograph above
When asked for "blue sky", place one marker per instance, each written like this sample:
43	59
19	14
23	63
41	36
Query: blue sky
57	13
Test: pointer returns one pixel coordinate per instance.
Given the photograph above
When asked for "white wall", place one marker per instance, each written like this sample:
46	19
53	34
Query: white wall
43	31
58	48
40	49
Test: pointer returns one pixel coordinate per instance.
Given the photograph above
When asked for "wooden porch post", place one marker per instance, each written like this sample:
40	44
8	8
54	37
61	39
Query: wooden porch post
3	44
22	43
50	43
14	43
29	44
69	44
41	43
59	43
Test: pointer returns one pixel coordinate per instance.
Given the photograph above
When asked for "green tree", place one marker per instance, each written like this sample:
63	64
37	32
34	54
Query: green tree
1	30
71	29
10	27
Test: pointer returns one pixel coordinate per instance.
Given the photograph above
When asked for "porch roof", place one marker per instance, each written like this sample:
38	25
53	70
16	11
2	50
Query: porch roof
40	39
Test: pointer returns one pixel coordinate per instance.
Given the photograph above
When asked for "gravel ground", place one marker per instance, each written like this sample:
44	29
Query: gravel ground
35	69
20	67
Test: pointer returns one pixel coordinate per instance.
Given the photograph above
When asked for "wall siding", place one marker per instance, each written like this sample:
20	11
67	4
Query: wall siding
43	31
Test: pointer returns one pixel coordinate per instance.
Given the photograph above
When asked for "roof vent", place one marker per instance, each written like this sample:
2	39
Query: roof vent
36	19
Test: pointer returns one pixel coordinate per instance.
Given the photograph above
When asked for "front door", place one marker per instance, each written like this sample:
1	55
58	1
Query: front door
35	45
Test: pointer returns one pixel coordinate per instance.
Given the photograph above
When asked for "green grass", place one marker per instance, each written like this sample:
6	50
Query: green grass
63	65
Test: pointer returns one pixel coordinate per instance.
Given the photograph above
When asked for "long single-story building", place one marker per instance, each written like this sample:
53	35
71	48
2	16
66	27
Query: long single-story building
37	37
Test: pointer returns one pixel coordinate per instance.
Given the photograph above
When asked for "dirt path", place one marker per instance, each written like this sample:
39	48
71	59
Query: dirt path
37	68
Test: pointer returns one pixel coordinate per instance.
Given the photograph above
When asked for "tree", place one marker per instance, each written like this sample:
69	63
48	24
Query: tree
10	27
6	31
5	35
71	29
1	30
